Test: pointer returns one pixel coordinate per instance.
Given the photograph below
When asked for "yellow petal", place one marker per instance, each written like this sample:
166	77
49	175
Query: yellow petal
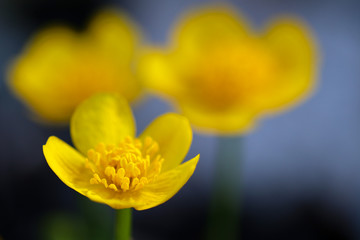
32	76
105	118
116	200
294	47
158	73
46	39
199	30
67	163
59	69
117	38
173	134
166	185
236	120
114	34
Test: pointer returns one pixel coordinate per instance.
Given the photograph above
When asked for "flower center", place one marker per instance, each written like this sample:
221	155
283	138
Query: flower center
128	166
231	73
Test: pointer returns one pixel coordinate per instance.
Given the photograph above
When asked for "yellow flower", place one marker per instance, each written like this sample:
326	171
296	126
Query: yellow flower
60	67
223	75
113	167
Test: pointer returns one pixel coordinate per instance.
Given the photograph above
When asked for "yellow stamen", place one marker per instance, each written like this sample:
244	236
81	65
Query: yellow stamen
128	166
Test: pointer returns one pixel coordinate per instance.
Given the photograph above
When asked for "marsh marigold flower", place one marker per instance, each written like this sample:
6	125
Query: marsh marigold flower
60	67
114	167
223	75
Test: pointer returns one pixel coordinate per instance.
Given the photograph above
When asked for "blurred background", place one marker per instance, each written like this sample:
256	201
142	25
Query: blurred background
300	174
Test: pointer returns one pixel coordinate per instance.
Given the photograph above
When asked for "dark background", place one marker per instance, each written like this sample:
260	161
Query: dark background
300	172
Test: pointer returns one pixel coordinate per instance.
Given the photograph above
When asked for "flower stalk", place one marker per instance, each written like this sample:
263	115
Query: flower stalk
123	224
224	217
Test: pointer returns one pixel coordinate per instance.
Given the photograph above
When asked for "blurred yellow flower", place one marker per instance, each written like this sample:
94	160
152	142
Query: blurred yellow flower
60	67
114	167
223	75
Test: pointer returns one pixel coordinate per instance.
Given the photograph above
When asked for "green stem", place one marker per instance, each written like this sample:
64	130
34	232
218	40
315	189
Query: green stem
224	217
98	219
123	224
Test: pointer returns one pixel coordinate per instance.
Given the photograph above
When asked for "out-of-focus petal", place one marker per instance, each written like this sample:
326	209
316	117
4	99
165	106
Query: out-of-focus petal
158	73
114	34
32	75
235	120
294	48
200	30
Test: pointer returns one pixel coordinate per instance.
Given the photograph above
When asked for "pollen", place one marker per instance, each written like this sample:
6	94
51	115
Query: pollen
128	166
